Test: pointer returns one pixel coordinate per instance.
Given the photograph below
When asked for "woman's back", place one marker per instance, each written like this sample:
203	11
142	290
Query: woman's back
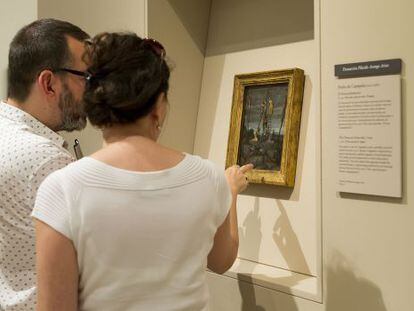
141	238
138	153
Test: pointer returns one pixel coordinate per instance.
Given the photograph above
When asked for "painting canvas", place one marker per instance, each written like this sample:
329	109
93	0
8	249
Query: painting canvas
265	123
261	139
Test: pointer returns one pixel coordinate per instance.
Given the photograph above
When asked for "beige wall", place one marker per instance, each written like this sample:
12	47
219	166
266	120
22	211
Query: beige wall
368	240
263	211
13	16
368	258
181	26
267	215
96	16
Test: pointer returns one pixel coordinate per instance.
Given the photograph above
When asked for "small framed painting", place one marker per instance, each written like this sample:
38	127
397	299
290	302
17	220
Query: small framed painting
265	124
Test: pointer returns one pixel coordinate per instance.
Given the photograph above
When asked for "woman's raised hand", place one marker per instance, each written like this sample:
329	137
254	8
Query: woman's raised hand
236	177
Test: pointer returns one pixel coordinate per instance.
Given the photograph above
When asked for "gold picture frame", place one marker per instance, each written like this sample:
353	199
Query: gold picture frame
265	125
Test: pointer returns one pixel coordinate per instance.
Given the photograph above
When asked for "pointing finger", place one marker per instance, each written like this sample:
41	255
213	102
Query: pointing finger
246	168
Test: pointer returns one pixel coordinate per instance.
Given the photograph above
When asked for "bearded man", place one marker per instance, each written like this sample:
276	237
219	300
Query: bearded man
46	80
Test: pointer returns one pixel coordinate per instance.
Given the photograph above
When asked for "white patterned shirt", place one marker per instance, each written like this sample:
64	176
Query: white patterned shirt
29	151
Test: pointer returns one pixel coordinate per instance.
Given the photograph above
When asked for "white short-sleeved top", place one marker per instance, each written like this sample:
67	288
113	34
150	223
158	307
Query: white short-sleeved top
142	238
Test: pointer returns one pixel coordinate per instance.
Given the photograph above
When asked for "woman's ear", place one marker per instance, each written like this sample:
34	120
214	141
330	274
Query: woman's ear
162	98
160	108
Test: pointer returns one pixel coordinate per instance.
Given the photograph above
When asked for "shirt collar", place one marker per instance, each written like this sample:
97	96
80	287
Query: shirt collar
15	114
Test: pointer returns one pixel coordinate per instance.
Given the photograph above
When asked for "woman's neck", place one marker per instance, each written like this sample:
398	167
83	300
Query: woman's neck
119	133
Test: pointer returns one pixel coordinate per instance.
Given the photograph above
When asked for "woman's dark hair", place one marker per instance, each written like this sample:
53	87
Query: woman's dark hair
127	76
41	44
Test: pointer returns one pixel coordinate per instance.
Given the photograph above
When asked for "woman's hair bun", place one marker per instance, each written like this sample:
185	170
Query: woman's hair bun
127	76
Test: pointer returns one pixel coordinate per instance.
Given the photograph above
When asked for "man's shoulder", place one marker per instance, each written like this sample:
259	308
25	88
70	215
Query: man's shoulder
38	149
27	152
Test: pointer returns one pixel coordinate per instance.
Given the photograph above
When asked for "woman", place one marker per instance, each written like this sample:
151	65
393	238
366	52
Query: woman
133	226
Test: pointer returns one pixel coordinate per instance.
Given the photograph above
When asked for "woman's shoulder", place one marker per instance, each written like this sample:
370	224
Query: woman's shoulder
208	167
190	159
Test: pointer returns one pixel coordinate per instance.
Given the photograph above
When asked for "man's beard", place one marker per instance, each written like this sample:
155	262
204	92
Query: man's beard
72	114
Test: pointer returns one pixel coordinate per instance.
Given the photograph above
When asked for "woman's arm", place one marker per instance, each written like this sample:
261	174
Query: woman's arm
57	270
226	243
226	240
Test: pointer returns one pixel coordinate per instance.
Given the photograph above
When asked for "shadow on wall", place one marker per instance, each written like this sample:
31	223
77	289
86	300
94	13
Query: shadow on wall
195	17
346	291
288	244
251	231
249	302
303	136
237	25
231	26
269	191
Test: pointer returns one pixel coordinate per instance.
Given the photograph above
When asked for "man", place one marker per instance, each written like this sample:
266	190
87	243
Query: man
46	80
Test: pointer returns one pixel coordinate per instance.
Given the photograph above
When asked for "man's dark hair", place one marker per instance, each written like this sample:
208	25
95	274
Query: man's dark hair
128	75
38	46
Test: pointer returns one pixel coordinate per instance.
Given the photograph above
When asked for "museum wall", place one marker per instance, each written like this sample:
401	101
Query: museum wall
366	240
181	26
279	227
95	16
13	16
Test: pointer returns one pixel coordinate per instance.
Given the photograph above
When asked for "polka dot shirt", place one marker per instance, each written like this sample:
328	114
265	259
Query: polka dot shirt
29	151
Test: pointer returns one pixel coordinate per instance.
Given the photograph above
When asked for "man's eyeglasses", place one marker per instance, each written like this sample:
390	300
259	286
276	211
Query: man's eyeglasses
156	47
86	75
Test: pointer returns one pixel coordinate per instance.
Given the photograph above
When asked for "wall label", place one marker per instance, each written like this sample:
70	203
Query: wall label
368	146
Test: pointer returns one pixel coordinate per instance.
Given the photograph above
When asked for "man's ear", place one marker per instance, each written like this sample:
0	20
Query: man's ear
48	84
